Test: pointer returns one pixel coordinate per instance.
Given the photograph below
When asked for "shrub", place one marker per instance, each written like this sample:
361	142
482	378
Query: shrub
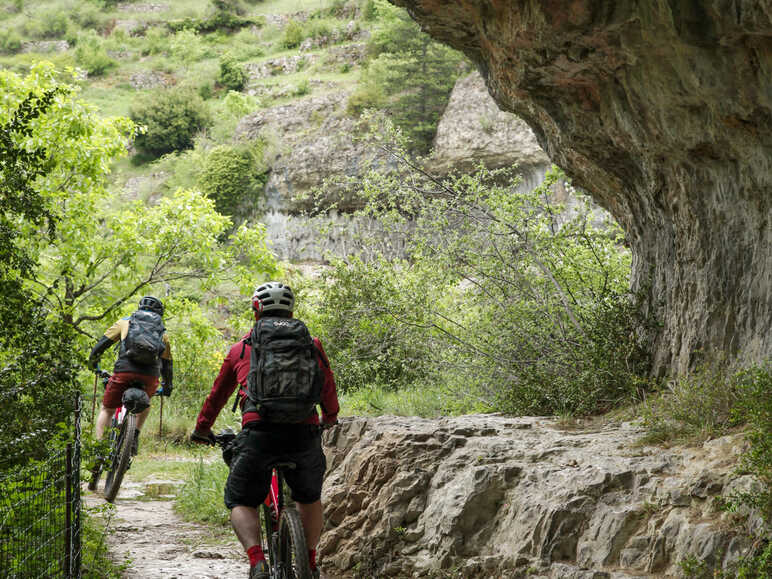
514	301
293	35
10	41
232	176
156	40
171	118
88	16
360	323
232	75
53	24
90	53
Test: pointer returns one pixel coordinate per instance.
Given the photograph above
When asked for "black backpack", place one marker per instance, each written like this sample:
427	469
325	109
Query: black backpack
284	380
144	342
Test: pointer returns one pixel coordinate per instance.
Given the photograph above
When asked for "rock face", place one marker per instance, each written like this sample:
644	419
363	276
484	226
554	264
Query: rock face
474	130
664	112
491	496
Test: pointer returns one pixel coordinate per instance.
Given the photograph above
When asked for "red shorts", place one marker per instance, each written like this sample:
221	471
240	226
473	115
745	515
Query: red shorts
121	381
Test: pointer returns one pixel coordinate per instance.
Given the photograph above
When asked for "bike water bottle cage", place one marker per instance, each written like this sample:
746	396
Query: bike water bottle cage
135	400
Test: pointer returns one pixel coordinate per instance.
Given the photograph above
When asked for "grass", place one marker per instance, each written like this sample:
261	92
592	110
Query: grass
426	402
201	497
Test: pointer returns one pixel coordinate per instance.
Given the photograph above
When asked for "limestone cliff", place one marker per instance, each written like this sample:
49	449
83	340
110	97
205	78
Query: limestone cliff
663	110
491	496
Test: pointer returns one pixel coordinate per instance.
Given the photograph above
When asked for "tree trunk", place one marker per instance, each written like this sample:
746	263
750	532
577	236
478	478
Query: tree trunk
663	111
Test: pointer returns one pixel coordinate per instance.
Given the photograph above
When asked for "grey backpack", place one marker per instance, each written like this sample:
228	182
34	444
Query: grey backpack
144	342
284	380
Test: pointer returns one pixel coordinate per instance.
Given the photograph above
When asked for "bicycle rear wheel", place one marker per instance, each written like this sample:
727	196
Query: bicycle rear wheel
120	456
293	552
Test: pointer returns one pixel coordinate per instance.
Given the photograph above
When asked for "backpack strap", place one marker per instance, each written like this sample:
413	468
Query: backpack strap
240	393
244	343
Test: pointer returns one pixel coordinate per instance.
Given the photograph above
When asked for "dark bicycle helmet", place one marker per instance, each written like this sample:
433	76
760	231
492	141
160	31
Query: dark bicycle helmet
273	295
152	304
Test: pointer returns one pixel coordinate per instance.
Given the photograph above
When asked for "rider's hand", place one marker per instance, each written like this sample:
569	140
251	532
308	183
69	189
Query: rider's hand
328	425
201	438
166	390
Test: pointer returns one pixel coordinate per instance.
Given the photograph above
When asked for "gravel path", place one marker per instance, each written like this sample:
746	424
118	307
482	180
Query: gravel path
160	545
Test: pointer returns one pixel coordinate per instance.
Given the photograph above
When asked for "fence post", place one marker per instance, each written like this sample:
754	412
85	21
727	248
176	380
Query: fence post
76	532
68	512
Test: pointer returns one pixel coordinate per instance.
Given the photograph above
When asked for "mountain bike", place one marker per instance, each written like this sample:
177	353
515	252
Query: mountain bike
281	531
122	433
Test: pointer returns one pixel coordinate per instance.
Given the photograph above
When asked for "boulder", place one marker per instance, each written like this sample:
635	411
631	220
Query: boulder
509	497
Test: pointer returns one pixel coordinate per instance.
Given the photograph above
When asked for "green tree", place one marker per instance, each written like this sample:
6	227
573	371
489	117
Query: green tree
232	75
171	118
407	74
50	145
522	303
78	256
233	176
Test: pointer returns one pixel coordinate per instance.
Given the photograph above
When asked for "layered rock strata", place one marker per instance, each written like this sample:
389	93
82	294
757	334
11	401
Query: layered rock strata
663	110
491	496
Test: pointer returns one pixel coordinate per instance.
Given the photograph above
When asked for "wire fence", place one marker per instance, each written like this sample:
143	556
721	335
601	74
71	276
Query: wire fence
40	516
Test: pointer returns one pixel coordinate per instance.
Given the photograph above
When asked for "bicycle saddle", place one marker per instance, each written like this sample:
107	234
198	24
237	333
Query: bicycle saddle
288	465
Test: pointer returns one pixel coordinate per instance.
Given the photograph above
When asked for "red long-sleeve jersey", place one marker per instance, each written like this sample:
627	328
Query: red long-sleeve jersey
233	373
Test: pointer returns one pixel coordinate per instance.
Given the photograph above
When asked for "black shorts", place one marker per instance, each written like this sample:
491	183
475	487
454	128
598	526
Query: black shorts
255	451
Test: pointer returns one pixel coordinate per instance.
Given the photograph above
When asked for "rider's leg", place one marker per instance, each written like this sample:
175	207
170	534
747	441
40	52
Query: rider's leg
246	525
311	515
103	421
141	417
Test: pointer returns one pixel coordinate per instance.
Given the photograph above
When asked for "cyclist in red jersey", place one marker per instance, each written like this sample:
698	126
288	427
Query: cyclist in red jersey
260	443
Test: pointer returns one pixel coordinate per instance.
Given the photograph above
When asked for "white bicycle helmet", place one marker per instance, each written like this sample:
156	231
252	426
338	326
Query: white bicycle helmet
273	295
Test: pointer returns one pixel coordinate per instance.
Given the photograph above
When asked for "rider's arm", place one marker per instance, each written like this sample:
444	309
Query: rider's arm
223	387
112	335
329	404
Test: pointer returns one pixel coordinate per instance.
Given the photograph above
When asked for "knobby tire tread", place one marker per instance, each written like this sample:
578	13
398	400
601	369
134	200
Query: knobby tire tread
122	457
292	545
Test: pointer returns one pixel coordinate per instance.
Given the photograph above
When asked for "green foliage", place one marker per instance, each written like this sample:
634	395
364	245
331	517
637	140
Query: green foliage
697	406
408	75
360	311
708	402
293	34
43	140
52	23
200	498
90	53
233	176
96	562
225	16
508	299
10	41
89	16
232	75
187	46
172	118
754	407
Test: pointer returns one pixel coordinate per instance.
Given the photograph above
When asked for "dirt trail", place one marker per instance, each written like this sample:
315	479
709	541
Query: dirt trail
160	545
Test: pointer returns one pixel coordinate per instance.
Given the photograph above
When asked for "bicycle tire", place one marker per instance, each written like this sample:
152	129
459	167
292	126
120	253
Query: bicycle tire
96	472
121	457
293	552
266	533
